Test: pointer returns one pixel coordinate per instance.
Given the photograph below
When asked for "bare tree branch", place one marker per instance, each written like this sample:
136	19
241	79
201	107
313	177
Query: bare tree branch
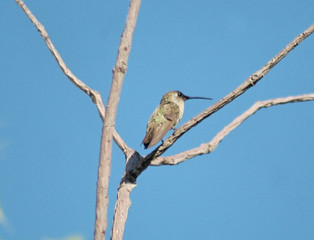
109	123
77	82
123	202
94	95
136	164
248	83
108	119
212	145
123	197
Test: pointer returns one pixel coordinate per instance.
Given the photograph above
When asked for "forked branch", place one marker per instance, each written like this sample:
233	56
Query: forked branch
136	164
109	122
108	117
94	95
212	145
248	83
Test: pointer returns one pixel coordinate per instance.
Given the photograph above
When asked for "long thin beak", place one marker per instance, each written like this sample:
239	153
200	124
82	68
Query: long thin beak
206	98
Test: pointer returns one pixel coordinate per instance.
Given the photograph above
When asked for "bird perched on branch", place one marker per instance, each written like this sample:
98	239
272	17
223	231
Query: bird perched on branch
165	117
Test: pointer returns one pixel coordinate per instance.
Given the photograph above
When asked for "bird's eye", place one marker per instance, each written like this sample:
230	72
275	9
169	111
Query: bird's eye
179	94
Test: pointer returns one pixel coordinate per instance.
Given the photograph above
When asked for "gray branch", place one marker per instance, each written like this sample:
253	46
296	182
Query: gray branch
248	83
209	147
109	122
93	94
136	164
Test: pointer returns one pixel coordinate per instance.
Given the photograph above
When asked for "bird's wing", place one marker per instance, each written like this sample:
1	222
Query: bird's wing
159	132
160	128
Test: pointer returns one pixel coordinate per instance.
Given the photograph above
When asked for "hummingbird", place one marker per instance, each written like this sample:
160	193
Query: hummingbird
165	117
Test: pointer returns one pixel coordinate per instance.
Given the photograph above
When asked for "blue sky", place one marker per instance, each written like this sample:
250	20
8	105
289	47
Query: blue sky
258	184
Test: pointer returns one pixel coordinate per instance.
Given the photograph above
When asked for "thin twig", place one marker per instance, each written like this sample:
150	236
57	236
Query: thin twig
248	83
209	147
77	82
93	94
